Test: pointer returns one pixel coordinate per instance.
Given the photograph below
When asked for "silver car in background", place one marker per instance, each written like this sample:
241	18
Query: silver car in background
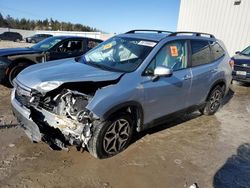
128	83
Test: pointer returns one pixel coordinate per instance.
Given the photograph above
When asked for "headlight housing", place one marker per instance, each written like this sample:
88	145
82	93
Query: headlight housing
49	85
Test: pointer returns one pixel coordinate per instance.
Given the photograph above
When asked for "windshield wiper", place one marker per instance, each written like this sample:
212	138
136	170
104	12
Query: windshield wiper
101	66
244	54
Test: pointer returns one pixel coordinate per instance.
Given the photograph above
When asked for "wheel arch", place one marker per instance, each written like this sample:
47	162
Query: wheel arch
24	60
221	83
17	61
132	107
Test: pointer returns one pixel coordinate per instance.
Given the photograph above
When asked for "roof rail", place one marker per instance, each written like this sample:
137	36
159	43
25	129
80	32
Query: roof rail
193	33
148	30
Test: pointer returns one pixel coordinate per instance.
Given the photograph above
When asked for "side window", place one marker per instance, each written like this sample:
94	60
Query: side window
216	50
200	52
91	44
173	55
73	46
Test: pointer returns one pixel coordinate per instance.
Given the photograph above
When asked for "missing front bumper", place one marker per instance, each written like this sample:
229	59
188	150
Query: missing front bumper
41	125
23	117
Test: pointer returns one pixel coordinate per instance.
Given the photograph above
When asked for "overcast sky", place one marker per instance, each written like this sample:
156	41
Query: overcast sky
114	16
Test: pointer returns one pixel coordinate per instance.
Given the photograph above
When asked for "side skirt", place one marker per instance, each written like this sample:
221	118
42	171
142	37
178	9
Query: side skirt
171	116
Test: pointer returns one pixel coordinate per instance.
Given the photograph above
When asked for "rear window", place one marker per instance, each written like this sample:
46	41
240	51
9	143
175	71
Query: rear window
217	51
200	52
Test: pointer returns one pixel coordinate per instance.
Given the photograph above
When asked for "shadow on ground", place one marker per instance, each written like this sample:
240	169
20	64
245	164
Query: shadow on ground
235	173
167	124
245	84
228	97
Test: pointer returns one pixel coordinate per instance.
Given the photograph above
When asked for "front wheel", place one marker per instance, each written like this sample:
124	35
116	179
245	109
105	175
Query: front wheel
111	137
213	102
14	71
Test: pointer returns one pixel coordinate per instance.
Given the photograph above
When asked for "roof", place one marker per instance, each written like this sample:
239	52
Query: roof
145	36
156	36
75	37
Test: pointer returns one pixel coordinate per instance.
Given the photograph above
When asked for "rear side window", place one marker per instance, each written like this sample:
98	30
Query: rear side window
200	52
216	50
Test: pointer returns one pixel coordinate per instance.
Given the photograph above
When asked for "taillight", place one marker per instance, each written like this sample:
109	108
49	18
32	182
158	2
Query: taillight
231	63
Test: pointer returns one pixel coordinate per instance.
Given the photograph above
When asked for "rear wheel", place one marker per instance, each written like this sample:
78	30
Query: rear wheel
111	137
213	102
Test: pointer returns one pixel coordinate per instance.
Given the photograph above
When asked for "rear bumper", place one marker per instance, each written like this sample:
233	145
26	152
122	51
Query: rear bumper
23	116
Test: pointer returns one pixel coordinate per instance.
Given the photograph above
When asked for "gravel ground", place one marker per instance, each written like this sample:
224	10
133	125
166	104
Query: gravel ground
8	44
211	151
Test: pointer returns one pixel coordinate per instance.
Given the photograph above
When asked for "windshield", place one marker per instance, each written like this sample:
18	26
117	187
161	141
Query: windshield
246	51
46	44
119	54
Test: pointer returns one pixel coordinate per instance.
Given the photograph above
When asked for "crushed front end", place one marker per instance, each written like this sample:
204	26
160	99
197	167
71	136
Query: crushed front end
58	118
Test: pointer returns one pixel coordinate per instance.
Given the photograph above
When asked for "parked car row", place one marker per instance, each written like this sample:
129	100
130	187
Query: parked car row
12	36
37	38
17	37
14	60
127	84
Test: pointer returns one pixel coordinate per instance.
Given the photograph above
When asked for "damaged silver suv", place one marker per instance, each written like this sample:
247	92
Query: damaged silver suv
128	83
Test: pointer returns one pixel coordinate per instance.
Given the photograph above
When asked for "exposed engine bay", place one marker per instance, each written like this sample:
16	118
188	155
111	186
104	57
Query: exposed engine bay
66	112
61	114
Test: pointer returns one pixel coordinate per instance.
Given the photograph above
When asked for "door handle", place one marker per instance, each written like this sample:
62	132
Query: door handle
187	77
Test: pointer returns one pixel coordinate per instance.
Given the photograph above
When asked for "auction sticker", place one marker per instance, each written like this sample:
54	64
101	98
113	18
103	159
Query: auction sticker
174	51
107	46
147	43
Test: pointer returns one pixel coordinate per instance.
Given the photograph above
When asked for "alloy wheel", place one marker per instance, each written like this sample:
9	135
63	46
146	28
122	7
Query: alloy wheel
215	100
116	137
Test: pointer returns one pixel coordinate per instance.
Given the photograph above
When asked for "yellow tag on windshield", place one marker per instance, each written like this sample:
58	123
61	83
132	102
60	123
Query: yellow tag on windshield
107	46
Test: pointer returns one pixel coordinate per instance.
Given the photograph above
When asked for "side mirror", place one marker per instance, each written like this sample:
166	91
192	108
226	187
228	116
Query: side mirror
238	52
163	71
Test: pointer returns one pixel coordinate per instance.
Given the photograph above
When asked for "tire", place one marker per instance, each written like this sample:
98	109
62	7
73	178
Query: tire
213	101
106	139
14	70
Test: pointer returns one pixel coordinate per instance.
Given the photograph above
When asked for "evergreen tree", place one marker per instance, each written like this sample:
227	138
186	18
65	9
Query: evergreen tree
47	24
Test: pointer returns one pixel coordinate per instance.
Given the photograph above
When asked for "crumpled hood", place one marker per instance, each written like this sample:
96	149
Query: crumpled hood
16	51
241	59
63	71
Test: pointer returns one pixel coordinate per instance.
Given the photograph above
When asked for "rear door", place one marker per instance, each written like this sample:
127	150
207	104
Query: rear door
202	71
167	94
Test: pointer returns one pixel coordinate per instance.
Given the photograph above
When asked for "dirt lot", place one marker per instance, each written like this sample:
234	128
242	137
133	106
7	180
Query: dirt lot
211	151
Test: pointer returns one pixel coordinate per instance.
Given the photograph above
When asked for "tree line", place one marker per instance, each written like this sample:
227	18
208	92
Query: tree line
47	24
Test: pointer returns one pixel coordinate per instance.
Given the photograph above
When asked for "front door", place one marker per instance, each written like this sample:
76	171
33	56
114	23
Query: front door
167	94
67	49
